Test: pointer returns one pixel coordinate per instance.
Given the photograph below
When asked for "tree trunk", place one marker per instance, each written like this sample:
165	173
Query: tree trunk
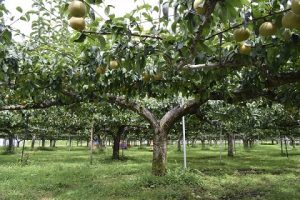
116	144
281	146
193	142
43	142
51	141
100	141
104	141
18	143
159	163
293	143
10	147
251	143
202	144
54	143
179	145
179	142
141	143
230	144
246	143
32	141
128	142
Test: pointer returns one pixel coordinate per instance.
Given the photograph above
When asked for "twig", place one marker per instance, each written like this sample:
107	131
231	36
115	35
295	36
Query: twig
241	24
132	34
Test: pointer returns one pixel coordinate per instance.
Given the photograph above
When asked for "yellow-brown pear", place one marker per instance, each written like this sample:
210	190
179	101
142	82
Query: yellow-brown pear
77	9
77	23
267	29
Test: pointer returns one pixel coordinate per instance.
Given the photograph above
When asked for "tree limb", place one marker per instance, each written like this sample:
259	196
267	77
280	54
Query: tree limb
136	107
176	113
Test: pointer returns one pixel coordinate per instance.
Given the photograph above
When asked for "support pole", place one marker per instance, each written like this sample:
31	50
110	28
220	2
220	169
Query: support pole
91	152
183	140
220	142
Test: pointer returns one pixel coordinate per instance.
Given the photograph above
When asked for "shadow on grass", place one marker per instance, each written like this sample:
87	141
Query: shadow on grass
7	152
125	159
45	149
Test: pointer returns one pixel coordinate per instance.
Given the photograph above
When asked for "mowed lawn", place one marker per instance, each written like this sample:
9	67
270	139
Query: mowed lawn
259	173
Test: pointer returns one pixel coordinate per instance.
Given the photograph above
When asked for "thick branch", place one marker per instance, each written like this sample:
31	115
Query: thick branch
210	7
41	105
213	65
282	79
176	113
136	107
272	81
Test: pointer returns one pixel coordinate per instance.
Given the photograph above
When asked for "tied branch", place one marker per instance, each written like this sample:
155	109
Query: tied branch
241	24
125	34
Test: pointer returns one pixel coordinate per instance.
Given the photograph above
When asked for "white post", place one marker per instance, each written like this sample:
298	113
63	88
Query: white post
183	139
221	143
91	150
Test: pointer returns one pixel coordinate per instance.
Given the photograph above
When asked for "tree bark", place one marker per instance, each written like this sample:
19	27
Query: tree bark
202	143
246	143
141	143
194	142
43	142
10	147
293	143
179	145
230	150
116	144
4	142
159	163
52	143
18	143
33	141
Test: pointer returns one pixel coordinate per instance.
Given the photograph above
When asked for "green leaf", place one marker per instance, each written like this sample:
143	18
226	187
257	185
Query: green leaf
102	41
81	38
6	36
107	9
19	9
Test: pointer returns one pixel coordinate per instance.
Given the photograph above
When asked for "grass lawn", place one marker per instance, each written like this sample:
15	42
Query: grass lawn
260	173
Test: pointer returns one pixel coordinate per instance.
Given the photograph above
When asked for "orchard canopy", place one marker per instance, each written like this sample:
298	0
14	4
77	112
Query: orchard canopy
215	54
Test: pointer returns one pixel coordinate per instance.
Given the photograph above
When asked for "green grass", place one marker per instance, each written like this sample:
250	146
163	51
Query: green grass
261	173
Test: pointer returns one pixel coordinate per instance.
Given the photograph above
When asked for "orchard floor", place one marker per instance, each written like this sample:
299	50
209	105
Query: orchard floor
261	173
